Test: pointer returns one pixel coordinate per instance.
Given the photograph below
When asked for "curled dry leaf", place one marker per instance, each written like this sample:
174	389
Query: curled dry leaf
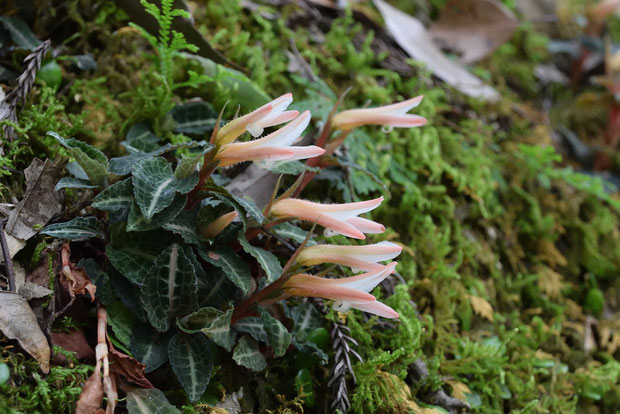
40	203
481	307
17	321
412	36
128	367
91	396
474	28
73	341
79	282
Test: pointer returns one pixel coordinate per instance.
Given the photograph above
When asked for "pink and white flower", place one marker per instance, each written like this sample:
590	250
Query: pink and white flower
358	258
339	218
348	292
270	114
394	115
276	146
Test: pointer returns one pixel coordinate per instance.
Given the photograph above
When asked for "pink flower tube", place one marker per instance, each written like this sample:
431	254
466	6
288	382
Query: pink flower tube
358	258
339	218
348	292
394	115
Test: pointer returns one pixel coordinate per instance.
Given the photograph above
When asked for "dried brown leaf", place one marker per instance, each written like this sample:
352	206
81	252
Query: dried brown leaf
74	341
77	278
413	37
481	307
40	203
17	321
128	367
91	396
474	28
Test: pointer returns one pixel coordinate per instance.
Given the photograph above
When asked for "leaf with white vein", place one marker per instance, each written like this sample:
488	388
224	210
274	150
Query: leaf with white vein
149	346
93	162
118	196
253	326
235	269
192	362
279	337
267	260
155	185
212	322
170	288
148	401
137	222
248	355
185	226
70	182
80	228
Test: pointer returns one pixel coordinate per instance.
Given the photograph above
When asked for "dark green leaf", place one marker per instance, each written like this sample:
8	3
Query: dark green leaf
104	292
192	362
149	346
140	139
137	222
118	196
214	288
248	355
187	165
212	322
279	337
133	254
121	320
148	401
291	167
123	165
155	185
75	170
170	289
236	270
80	228
70	182
267	260
253	326
20	32
93	162
184	225
194	118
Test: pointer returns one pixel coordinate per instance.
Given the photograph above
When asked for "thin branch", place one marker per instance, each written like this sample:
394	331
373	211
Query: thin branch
8	262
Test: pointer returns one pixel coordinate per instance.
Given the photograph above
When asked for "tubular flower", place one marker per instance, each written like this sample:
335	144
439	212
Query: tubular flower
270	114
274	147
348	292
339	218
358	258
219	224
394	115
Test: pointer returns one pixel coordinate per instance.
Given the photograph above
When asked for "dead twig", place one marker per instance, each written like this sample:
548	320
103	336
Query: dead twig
8	262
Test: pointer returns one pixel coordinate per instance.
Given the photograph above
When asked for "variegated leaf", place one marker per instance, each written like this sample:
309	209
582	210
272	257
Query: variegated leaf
212	322
170	288
93	162
137	222
155	185
267	260
118	196
192	362
279	337
248	355
236	270
80	228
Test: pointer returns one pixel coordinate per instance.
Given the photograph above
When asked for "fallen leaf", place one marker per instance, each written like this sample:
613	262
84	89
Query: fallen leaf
254	182
17	321
459	390
481	307
474	28
40	203
14	245
128	367
412	36
31	291
91	396
79	282
74	341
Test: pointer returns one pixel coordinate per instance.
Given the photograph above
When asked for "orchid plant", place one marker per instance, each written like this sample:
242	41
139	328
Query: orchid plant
189	264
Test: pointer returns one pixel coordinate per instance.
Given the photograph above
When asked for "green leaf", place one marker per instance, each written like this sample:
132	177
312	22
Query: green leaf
170	289
188	163
133	253
123	165
121	320
253	326
155	185
184	225
148	401
75	170
193	118
20	32
104	293
212	322
80	228
244	206
137	222
248	355
236	270
291	167
149	346
93	162
70	182
192	362
140	139
292	232
118	196
279	337
267	260
250	208
306	318
215	289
